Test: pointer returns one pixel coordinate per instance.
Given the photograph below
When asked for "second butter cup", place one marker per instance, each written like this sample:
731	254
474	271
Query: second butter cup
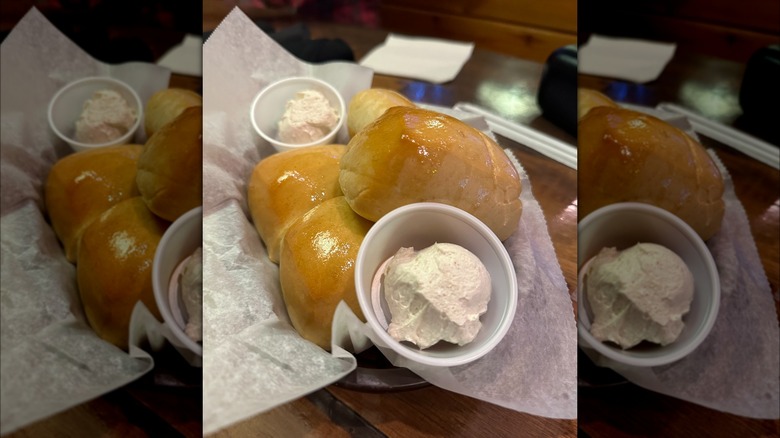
421	225
269	106
623	225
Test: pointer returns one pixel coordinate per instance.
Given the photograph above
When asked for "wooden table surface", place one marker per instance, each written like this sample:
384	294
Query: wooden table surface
708	86
506	86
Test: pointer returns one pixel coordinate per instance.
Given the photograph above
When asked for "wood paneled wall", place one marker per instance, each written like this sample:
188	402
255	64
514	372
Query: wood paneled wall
524	28
729	29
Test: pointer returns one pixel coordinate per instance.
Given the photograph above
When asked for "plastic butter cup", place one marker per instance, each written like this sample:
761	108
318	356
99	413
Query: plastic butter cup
67	104
269	106
178	243
623	225
419	226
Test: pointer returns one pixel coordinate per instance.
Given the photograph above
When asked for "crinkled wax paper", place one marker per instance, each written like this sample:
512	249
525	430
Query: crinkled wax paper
254	360
736	368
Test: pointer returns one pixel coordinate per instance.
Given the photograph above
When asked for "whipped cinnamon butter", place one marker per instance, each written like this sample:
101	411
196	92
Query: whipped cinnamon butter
192	295
307	117
436	294
106	116
639	294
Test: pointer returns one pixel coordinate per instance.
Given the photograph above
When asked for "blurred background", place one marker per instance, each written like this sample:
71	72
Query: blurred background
531	30
727	29
726	62
113	31
524	29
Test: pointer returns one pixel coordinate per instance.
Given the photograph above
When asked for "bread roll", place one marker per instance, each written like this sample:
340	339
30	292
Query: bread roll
626	155
286	185
83	185
413	155
165	105
170	169
317	267
114	269
367	105
588	98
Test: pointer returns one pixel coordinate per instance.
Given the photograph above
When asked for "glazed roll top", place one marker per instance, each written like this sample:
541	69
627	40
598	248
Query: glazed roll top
413	155
588	99
170	169
317	267
166	105
626	155
114	268
369	104
83	185
286	185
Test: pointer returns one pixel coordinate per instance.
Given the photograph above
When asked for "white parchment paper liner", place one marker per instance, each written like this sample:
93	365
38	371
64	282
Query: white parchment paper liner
51	359
253	358
737	368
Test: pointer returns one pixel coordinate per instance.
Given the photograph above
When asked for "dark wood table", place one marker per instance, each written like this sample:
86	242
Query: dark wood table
701	84
507	86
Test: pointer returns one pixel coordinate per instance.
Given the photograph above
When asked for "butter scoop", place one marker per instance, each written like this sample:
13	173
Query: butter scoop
639	294
436	294
106	116
307	117
192	295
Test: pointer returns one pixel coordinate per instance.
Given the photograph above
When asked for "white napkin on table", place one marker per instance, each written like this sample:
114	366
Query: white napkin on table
428	59
624	58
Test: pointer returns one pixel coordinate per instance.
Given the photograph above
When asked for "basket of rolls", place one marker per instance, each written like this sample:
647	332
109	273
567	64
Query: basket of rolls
283	230
313	206
110	207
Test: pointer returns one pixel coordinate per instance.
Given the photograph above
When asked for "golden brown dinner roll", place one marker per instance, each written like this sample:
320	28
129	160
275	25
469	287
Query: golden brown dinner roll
588	98
114	269
83	185
170	169
317	267
626	155
367	105
165	105
413	155
286	185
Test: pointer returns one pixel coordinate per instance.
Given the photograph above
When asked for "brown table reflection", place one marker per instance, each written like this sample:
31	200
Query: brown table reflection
710	87
506	86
